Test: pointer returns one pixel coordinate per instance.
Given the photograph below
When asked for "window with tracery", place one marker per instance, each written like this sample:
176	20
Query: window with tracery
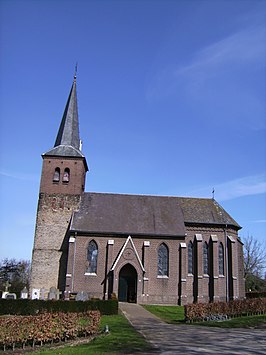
221	259
205	258
190	258
163	256
92	257
56	177
66	175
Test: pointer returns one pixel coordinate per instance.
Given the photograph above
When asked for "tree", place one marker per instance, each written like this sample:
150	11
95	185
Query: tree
17	273
254	264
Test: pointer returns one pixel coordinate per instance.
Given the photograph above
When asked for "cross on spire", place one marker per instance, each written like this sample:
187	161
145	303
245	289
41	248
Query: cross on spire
76	70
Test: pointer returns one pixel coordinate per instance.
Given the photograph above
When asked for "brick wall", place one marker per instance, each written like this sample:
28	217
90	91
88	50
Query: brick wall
76	182
57	201
178	287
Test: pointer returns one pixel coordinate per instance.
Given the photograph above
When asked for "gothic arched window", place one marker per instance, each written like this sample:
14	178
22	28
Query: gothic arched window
221	259
92	257
190	258
66	175
56	177
163	256
205	259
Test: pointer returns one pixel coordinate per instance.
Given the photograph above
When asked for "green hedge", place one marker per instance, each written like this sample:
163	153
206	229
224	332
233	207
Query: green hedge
31	307
256	294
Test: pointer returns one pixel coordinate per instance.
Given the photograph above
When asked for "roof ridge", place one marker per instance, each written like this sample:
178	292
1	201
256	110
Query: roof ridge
148	195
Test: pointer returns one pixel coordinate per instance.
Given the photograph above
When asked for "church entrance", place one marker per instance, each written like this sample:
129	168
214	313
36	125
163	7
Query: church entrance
127	287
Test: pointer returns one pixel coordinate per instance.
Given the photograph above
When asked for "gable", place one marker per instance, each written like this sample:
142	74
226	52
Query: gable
128	243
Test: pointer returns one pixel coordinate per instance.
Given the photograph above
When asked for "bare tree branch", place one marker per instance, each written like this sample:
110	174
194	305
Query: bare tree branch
254	256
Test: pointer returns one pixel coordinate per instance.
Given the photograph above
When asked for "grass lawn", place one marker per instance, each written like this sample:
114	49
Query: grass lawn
239	322
169	314
175	315
122	339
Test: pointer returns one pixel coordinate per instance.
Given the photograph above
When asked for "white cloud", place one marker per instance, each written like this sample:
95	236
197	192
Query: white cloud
239	48
19	176
224	79
259	221
229	190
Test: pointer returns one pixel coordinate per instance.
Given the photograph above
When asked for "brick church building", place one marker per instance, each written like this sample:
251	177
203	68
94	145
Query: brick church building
141	248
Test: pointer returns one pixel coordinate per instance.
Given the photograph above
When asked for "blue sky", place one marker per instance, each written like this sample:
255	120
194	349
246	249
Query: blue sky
171	102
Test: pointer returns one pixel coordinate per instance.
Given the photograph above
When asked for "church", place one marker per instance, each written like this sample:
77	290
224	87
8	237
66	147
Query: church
136	248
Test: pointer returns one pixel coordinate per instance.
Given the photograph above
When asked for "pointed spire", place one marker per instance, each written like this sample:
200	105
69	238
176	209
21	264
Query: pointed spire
68	133
67	142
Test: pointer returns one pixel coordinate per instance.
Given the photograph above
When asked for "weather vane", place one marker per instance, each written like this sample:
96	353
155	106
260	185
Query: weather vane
213	191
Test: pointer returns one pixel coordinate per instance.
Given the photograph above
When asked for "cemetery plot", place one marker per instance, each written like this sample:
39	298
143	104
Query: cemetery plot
20	331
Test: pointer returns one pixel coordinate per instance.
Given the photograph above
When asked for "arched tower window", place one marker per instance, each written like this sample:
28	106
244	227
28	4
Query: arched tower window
66	175
163	260
92	257
205	258
190	257
56	177
221	259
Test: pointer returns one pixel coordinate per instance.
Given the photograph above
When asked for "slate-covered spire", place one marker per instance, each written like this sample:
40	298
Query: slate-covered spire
67	143
68	133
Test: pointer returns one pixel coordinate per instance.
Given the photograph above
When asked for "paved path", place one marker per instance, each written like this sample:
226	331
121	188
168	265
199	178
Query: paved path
181	339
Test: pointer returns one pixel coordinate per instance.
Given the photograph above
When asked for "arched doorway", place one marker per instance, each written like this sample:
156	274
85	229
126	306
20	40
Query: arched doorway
127	288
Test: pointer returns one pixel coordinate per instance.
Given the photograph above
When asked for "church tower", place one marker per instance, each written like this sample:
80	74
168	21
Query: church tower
62	184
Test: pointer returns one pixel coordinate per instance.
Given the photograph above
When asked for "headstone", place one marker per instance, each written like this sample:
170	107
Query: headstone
24	293
66	295
7	285
53	294
10	296
42	293
82	296
35	295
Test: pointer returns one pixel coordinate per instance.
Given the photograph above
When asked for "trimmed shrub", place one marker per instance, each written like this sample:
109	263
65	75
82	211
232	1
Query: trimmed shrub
33	307
203	311
21	331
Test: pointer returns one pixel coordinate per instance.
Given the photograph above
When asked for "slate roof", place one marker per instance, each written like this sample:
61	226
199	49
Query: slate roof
145	215
67	143
205	211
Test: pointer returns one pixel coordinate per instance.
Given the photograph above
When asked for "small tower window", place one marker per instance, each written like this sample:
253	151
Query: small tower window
66	175
56	175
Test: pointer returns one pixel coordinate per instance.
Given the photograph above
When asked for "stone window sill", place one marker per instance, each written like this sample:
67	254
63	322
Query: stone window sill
90	274
162	277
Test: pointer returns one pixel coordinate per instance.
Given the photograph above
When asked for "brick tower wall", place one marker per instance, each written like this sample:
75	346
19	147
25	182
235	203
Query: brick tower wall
57	201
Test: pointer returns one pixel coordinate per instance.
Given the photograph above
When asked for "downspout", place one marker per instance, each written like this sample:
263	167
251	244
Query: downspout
73	267
226	264
105	294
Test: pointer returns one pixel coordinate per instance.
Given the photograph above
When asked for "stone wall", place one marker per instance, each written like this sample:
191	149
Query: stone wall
52	223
